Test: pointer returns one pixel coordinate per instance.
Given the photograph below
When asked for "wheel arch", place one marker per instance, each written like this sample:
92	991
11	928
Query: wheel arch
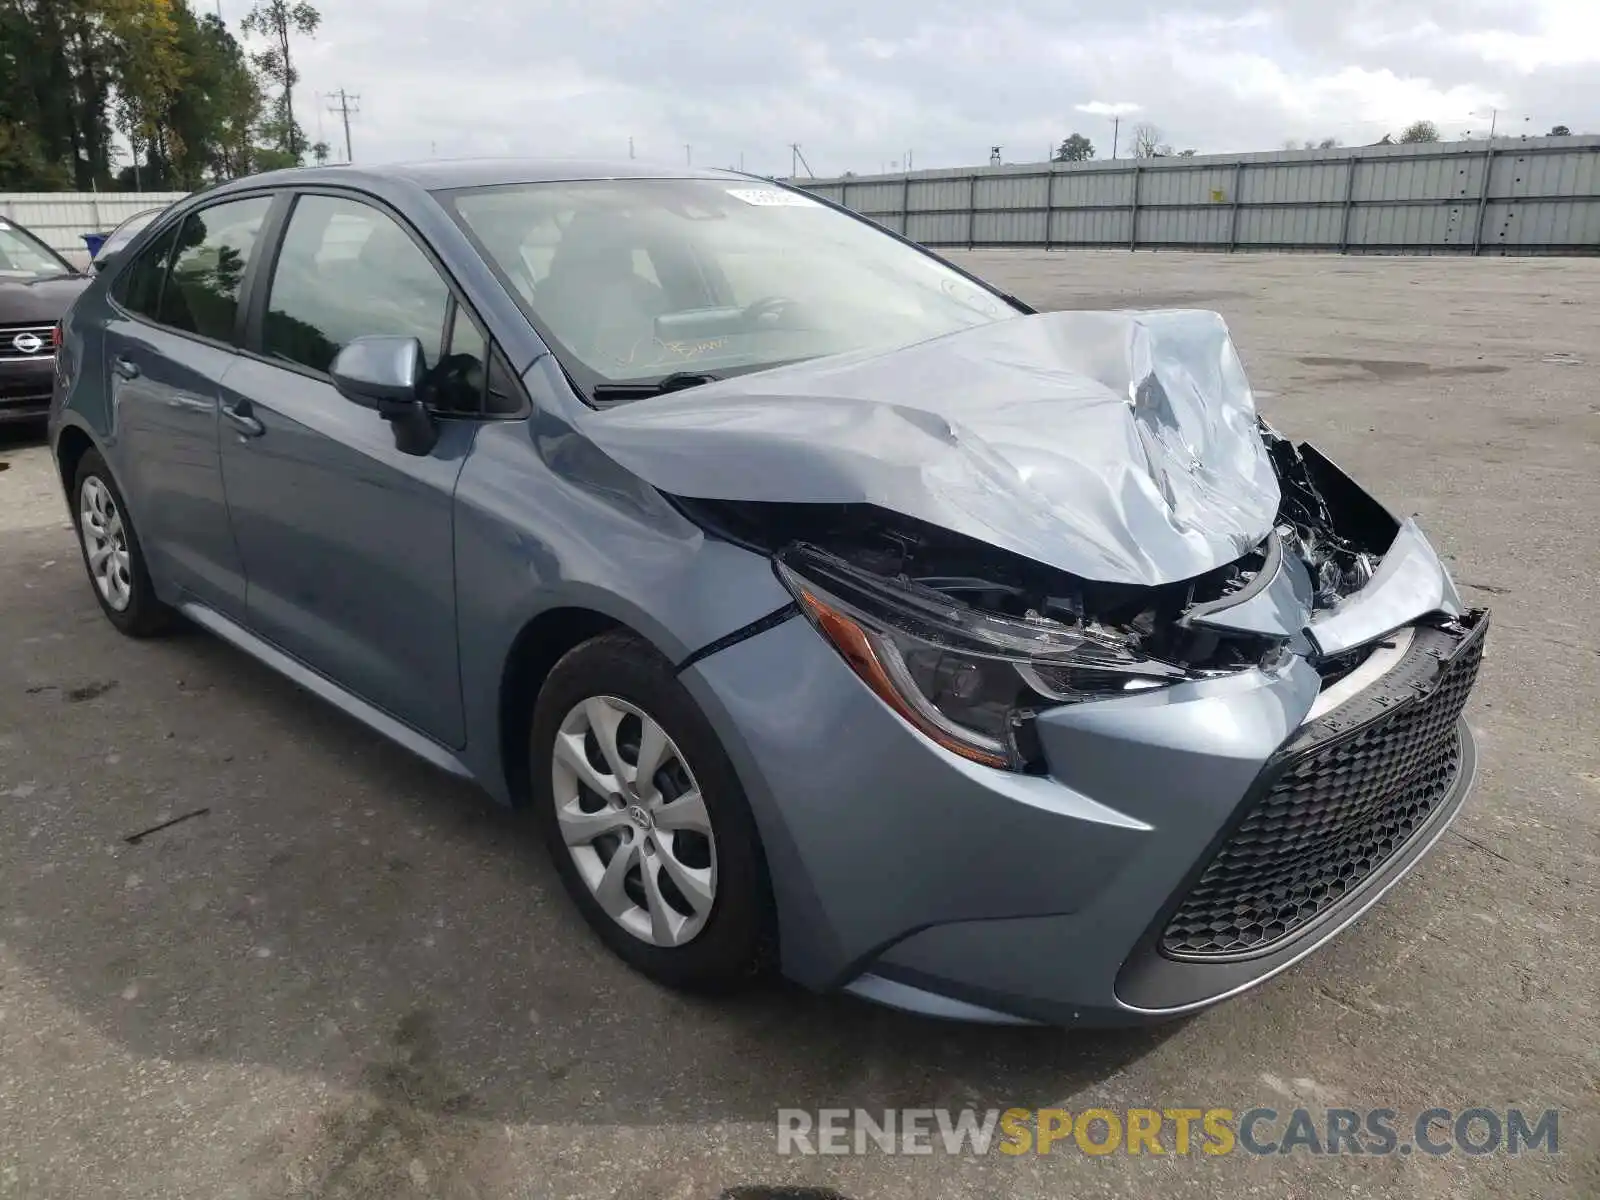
538	646
72	443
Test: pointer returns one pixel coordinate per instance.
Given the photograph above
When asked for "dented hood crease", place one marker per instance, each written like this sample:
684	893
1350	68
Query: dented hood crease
1119	446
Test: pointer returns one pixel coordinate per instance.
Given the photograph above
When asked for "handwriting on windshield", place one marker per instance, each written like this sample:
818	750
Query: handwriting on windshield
693	349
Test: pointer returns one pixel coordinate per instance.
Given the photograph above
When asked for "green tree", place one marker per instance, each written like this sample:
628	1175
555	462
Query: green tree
1560	131
277	21
24	160
1076	148
148	69
1419	131
57	85
220	106
177	87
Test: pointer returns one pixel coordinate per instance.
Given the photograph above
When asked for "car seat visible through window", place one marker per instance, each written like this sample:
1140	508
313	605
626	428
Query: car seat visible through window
593	300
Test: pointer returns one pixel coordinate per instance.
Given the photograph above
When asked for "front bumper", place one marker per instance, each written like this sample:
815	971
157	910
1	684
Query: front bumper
918	879
25	387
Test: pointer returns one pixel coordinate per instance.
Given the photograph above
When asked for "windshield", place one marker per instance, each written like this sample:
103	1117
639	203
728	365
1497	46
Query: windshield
23	256
127	231
634	280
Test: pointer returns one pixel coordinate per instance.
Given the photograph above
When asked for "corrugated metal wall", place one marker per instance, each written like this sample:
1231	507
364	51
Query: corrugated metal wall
62	218
1534	196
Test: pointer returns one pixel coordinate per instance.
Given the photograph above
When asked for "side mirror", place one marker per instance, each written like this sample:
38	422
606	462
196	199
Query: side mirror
103	262
385	375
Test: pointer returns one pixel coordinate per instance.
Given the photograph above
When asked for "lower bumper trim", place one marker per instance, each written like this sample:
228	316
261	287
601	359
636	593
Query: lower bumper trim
910	999
1153	985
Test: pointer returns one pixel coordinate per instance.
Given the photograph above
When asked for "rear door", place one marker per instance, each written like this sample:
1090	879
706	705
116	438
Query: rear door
347	541
171	336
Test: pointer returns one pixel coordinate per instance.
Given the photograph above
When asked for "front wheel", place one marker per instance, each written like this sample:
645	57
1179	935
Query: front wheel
646	821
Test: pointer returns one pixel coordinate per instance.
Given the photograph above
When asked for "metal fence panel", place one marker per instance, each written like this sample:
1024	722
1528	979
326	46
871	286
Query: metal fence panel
1207	186
938	229
940	195
1538	195
1317	228
1084	189
1199	227
1532	224
60	219
1004	192
1094	227
1009	228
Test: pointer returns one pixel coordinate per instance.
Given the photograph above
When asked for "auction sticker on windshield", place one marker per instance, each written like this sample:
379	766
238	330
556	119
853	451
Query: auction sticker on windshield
772	198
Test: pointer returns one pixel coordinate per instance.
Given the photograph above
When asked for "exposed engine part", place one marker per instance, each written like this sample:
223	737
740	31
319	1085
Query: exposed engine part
992	580
1341	555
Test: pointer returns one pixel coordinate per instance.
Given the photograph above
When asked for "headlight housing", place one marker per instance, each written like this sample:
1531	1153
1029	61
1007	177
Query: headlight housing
966	678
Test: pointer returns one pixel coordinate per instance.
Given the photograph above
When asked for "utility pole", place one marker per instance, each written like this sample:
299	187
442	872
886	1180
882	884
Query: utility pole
1116	128
688	155
798	160
630	147
347	104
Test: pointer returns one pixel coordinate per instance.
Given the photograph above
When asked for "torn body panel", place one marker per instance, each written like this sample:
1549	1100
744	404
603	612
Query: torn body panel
1409	583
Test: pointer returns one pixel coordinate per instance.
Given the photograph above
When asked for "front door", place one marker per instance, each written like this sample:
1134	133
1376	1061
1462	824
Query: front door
169	341
347	541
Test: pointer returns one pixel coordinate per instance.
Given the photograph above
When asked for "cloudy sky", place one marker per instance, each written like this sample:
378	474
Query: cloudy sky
859	82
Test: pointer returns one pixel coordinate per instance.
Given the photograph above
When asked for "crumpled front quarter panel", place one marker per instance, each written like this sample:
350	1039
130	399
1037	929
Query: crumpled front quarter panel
543	521
1119	446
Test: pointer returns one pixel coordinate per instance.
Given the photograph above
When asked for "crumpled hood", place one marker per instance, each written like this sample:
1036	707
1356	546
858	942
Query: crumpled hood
1119	446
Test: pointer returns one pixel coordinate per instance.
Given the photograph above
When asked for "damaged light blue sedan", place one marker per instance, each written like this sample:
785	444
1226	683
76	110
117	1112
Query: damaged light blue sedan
827	610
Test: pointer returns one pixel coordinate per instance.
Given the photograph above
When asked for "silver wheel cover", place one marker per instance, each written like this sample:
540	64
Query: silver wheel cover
632	817
105	544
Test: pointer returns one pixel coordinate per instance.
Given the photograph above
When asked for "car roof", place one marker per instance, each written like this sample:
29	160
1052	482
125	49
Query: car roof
444	174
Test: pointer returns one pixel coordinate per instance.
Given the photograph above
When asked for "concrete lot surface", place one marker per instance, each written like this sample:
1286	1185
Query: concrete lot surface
353	977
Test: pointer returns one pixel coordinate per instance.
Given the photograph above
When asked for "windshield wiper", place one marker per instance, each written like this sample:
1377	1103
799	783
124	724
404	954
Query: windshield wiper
639	391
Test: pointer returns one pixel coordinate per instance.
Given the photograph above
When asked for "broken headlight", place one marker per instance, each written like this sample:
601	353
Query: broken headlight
964	677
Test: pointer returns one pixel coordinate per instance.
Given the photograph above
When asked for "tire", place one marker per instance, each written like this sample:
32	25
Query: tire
129	601
726	943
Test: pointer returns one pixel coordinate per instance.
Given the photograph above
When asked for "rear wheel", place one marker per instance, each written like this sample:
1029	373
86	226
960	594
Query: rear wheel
111	552
645	819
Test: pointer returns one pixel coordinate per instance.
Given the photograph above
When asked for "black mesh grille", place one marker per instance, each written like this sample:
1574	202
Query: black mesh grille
1342	801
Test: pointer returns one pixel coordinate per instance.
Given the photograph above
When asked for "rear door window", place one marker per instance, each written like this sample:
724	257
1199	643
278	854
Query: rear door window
138	289
214	249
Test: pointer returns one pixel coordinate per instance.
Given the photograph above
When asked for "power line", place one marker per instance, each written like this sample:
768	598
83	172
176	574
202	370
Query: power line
347	104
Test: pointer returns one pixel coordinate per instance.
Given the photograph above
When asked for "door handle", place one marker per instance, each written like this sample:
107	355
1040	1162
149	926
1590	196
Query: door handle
126	368
243	420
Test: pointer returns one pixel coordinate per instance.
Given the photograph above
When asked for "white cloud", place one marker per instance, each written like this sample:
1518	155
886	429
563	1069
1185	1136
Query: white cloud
858	84
1100	108
1568	36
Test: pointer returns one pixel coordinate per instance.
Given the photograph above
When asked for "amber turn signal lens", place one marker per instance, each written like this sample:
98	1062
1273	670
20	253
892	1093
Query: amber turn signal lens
857	648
